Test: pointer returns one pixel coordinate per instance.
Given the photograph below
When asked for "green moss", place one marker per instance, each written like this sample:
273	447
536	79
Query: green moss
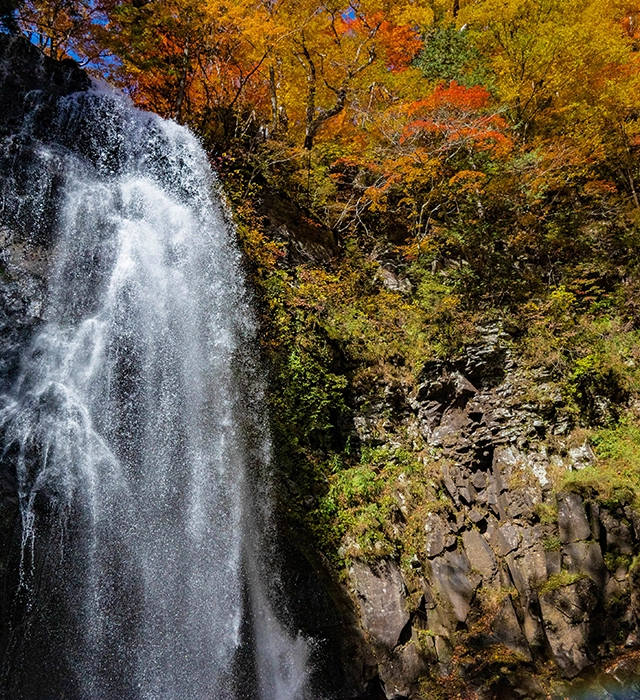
552	544
547	513
557	581
634	567
615	560
374	508
614	480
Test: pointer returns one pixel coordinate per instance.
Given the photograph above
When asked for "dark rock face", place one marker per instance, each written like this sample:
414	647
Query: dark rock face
31	85
322	609
304	240
570	616
381	596
24	69
573	525
27	77
510	570
25	250
24	255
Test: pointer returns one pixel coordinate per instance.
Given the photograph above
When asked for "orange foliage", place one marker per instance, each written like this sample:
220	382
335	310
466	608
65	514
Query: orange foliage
401	44
457	114
453	97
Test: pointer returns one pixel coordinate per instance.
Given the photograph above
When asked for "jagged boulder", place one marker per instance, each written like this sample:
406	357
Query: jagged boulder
567	614
573	524
380	592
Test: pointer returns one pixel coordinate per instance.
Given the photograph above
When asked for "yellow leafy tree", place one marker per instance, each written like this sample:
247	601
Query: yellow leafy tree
63	28
548	56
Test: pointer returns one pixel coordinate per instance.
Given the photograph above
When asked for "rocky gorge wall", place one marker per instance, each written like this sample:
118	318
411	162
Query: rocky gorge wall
506	563
518	589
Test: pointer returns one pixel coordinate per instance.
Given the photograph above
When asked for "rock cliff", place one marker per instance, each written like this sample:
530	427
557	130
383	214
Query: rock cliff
519	590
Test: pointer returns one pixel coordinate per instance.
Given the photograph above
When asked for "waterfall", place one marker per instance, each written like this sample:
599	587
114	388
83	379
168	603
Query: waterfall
136	427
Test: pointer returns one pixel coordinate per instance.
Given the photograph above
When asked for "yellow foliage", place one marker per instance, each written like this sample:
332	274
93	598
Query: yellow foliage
550	55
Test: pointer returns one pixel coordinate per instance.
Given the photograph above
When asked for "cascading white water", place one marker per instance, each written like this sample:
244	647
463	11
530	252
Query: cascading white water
136	432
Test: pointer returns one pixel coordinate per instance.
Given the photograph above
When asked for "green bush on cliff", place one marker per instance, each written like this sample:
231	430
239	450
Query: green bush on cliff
614	480
375	507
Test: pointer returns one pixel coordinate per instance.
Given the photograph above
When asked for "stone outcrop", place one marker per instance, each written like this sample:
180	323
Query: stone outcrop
24	69
512	575
303	240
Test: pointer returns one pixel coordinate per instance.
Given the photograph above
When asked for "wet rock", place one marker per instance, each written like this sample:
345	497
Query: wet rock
506	630
622	678
503	539
479	554
634	518
436	531
23	68
553	561
533	566
619	535
486	362
402	670
566	613
450	484
444	649
479	480
439	620
454	582
585	557
504	460
476	516
519	581
464	389
380	593
453	422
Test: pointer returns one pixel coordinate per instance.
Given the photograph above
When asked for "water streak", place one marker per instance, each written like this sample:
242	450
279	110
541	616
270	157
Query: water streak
136	430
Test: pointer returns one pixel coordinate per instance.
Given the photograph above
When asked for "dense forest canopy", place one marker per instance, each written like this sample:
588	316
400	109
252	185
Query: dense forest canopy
408	117
486	151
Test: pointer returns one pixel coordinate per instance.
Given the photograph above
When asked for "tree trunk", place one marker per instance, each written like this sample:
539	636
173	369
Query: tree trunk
274	99
182	86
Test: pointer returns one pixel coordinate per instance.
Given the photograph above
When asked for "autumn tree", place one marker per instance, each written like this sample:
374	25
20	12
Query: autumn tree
433	157
336	62
278	66
537	49
64	28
